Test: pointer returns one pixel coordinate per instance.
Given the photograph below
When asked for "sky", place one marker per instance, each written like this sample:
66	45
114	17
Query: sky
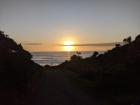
41	25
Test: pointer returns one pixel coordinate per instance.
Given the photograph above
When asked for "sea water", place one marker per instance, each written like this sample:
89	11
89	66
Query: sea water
56	58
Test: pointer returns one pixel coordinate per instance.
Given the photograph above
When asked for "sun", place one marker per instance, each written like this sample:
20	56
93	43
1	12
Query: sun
68	45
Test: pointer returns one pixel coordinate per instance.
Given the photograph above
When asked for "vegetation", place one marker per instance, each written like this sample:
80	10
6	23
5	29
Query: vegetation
114	75
16	71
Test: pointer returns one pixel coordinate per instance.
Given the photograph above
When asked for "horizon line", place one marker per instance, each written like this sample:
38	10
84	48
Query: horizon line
94	44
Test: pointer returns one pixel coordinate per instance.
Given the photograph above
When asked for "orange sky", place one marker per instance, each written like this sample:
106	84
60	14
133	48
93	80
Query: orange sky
40	25
63	48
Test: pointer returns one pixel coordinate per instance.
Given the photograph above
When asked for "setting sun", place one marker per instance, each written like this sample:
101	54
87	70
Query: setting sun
68	45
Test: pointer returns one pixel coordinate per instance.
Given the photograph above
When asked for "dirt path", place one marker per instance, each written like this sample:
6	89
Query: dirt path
57	88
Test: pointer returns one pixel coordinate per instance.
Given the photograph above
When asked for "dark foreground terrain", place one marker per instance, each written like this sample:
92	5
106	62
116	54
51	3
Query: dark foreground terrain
17	71
111	78
59	88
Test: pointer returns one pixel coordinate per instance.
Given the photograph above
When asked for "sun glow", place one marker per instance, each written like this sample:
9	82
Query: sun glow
68	45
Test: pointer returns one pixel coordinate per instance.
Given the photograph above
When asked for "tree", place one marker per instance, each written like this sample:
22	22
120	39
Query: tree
1	33
124	41
127	40
137	38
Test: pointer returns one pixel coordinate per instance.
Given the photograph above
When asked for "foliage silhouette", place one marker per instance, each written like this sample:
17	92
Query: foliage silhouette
115	75
16	70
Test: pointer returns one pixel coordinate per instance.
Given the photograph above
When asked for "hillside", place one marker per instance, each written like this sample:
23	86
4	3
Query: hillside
111	78
17	71
114	76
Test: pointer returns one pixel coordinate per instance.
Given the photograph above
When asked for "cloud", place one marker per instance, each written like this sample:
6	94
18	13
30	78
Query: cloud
94	44
32	44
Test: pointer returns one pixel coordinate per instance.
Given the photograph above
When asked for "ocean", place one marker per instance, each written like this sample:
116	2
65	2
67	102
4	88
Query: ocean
56	58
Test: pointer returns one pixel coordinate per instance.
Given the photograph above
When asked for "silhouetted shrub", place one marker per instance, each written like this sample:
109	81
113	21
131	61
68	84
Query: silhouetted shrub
75	58
117	45
137	38
16	67
95	54
127	40
114	74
